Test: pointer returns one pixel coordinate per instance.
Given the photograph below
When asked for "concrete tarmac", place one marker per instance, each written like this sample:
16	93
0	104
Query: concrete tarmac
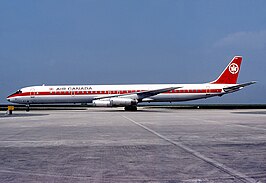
150	145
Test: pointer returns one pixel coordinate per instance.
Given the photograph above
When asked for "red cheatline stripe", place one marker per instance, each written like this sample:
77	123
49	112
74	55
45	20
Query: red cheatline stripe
113	92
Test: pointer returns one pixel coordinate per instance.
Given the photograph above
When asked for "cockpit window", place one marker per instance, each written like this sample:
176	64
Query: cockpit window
18	92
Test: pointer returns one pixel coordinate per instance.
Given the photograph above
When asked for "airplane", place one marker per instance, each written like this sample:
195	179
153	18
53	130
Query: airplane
129	96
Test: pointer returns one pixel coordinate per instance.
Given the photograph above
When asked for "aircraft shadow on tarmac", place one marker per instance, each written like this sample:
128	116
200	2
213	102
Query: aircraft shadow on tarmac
123	111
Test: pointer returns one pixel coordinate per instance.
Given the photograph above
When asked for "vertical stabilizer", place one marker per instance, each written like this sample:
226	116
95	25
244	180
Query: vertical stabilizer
230	73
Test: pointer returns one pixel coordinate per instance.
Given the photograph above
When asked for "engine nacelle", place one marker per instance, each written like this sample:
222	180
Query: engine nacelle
101	103
114	102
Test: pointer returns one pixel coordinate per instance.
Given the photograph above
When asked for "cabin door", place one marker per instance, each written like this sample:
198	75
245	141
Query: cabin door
32	93
73	93
207	90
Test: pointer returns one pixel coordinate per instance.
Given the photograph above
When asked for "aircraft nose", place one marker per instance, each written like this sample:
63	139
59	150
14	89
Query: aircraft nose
9	98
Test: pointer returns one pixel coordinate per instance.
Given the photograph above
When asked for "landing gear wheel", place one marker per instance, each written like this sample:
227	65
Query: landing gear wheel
131	108
27	107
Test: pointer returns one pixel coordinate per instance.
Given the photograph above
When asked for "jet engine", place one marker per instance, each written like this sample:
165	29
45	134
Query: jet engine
114	102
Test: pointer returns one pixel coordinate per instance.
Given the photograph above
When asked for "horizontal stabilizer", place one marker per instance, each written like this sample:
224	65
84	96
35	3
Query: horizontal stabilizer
237	87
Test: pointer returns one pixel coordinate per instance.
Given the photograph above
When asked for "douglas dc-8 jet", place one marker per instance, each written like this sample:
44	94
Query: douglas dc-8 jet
129	96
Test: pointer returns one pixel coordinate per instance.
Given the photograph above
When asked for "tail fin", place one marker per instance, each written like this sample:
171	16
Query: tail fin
230	73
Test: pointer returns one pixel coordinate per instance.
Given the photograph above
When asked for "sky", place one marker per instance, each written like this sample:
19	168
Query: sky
56	42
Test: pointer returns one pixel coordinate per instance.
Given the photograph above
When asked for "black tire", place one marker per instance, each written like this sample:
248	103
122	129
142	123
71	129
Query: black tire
27	108
131	108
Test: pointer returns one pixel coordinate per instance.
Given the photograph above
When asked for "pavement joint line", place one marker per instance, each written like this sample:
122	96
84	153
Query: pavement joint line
243	126
13	135
117	179
43	174
251	127
240	176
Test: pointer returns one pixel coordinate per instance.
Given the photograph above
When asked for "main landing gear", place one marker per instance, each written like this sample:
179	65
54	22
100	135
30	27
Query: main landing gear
27	107
131	108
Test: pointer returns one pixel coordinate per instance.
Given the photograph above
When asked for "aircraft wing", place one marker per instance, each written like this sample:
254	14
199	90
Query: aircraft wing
140	95
149	93
237	87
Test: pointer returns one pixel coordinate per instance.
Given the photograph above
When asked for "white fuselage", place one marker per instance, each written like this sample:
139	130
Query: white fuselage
88	93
